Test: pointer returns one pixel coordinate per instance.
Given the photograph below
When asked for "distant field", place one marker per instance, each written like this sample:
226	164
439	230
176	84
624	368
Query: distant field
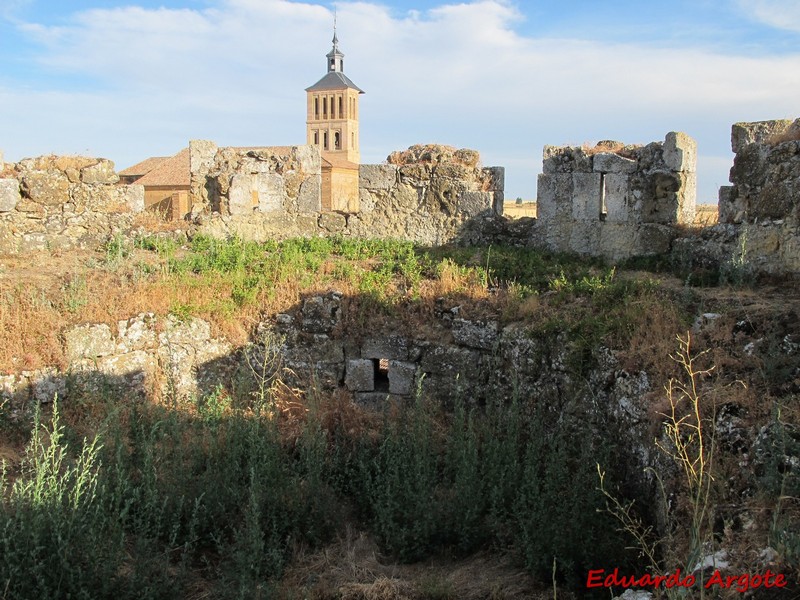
516	211
706	213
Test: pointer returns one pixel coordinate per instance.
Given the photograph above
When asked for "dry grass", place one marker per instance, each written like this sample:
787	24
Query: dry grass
352	568
790	135
612	147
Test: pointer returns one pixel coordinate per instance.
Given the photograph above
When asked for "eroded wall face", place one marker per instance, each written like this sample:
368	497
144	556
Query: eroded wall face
765	176
614	200
427	194
61	202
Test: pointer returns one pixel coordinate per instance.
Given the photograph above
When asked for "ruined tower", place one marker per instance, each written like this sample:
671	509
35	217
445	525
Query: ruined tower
332	125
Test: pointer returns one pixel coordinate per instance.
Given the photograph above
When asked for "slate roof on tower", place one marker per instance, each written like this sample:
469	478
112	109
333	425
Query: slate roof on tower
335	80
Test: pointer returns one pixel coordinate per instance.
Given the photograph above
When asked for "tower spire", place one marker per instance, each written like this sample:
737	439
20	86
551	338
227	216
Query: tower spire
335	56
335	39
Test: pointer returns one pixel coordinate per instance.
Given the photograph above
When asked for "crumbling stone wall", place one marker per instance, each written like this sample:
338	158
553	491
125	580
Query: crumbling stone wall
140	356
765	173
63	202
240	181
759	214
615	200
426	194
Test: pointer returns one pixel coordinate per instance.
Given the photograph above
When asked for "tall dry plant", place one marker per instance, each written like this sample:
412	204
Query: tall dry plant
687	441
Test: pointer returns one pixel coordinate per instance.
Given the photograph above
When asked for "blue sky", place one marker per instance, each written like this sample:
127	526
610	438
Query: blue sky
138	78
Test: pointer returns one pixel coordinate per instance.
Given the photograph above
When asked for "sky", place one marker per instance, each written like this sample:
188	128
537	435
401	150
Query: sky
126	80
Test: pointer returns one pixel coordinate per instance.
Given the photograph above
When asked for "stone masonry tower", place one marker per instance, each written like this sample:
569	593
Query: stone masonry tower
332	122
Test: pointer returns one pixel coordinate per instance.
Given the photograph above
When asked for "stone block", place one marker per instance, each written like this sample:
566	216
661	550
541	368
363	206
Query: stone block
586	196
309	198
309	158
757	132
9	194
133	196
616	198
472	204
332	222
377	177
320	314
565	159
450	361
653	238
102	172
241	200
201	156
475	334
50	187
497	175
402	376
192	333
88	341
360	375
554	196
137	333
729	209
270	191
391	347
608	162
680	152
584	237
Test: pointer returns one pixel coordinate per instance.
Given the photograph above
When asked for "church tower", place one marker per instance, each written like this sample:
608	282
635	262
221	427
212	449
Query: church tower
332	111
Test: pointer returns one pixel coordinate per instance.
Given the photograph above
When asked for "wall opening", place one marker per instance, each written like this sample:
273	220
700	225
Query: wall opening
381	372
316	108
337	142
324	108
603	207
325	140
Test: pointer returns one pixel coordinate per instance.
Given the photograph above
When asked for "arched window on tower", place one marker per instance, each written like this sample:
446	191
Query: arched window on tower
325	140
337	142
341	110
316	108
316	138
325	108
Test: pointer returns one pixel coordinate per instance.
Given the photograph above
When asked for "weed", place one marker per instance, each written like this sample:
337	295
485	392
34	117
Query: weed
75	295
688	442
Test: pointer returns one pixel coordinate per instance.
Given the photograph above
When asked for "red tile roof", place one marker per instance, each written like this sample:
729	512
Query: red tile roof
174	171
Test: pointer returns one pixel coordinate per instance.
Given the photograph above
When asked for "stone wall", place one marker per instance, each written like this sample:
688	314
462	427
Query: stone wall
427	194
140	356
759	214
63	202
765	173
615	200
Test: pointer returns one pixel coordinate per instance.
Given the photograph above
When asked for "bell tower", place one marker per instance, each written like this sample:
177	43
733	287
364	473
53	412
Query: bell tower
332	111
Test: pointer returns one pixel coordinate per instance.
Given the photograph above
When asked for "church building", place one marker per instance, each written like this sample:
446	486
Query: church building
332	125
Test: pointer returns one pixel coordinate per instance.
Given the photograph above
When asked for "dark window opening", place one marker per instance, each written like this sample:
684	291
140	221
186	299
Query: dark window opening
316	138
381	367
325	140
316	108
337	142
603	208
324	108
341	112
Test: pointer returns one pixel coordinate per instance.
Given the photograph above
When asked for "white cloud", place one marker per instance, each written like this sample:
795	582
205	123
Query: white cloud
781	14
456	74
